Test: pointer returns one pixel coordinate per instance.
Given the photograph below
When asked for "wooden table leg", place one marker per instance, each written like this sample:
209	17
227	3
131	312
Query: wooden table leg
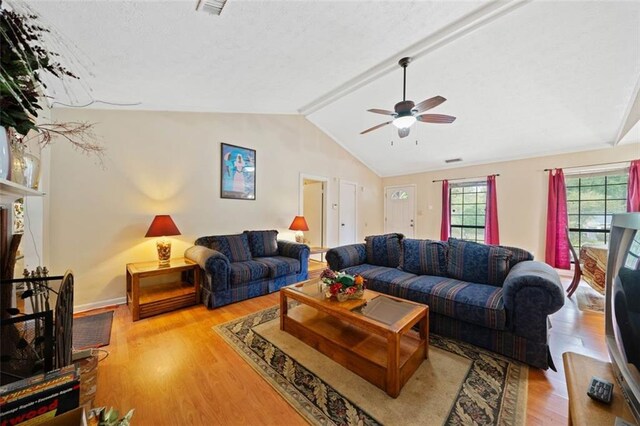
393	365
135	297
283	309
424	334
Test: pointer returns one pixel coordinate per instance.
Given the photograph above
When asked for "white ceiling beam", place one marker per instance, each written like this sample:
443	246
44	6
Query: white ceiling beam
463	26
631	115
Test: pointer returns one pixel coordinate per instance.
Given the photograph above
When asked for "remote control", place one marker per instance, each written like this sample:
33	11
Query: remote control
600	390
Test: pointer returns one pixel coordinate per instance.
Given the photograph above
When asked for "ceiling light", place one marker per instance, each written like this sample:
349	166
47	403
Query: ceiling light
404	122
213	7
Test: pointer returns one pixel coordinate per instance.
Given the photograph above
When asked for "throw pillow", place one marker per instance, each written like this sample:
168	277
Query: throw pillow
517	255
477	263
383	250
424	257
235	247
263	243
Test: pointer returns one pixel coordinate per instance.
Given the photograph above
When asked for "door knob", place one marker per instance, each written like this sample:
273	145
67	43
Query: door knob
342	224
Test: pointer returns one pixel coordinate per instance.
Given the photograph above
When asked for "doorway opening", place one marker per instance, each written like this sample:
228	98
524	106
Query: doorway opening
313	206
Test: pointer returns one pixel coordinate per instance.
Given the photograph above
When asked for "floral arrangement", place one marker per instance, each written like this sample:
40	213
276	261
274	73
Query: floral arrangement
342	285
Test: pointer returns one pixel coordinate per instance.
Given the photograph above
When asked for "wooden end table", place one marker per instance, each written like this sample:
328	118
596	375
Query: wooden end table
162	297
378	346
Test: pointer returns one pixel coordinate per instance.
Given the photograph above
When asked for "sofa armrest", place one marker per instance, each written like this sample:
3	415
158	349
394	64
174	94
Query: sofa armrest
531	292
215	264
296	251
343	257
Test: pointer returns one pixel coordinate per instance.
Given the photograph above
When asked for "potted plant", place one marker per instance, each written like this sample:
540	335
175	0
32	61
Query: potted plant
24	59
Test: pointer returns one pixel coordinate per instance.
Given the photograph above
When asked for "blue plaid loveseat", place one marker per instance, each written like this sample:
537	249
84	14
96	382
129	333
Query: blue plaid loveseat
242	266
495	297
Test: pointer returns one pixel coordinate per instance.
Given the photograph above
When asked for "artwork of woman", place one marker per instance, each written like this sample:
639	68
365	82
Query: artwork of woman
238	175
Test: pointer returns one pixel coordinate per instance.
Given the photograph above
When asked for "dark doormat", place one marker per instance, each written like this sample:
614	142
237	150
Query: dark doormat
92	331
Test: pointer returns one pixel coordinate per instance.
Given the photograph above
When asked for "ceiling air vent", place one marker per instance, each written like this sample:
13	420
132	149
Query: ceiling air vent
453	160
212	7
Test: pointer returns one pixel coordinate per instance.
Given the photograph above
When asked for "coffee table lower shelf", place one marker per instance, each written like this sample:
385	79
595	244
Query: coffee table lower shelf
364	353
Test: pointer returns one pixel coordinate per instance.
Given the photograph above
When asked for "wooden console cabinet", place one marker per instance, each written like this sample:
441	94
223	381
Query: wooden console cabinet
583	410
145	301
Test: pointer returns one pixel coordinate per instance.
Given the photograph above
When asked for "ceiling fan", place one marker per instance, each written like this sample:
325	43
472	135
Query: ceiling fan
406	112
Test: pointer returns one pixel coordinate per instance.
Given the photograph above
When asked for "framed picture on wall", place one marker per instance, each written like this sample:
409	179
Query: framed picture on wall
237	172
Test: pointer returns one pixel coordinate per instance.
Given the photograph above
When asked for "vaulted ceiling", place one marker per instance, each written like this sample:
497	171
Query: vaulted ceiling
523	78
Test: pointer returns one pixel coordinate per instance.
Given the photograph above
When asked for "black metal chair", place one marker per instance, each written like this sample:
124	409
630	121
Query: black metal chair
577	267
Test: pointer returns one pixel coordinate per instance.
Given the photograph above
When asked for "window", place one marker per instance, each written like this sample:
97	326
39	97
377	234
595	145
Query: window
400	195
591	201
468	204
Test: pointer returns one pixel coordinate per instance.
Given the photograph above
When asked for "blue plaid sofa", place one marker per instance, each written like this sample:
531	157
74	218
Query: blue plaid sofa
242	266
495	297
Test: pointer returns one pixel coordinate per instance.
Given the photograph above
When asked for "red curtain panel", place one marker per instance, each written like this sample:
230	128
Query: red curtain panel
557	247
633	187
446	212
491	234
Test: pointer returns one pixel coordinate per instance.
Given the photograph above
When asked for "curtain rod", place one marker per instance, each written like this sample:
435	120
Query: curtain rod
590	165
472	177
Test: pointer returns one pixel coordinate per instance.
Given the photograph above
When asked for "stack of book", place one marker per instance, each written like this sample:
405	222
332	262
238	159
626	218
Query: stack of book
40	397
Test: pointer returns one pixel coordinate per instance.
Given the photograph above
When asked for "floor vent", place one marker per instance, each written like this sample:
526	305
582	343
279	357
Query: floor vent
453	160
212	7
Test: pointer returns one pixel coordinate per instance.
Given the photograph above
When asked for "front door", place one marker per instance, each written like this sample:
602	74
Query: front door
347	232
400	210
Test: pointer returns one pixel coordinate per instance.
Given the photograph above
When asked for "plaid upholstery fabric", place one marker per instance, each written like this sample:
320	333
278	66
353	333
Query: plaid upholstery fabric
503	342
242	272
424	257
263	243
477	263
383	250
280	265
517	255
235	247
343	257
474	303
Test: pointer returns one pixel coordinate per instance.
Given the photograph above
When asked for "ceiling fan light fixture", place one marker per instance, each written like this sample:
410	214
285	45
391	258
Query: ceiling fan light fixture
404	122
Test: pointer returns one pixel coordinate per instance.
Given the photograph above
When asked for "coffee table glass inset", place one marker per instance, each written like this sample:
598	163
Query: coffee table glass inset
371	336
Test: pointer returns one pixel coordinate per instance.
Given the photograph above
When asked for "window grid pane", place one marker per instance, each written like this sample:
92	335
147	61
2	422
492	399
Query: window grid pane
468	205
591	200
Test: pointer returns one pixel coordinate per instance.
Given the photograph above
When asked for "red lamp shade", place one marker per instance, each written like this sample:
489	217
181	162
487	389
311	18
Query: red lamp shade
162	226
299	224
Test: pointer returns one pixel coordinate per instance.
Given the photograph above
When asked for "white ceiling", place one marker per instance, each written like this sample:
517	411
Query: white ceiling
523	78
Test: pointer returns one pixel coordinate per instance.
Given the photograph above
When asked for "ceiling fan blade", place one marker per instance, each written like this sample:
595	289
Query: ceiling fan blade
375	127
429	103
436	118
403	133
381	111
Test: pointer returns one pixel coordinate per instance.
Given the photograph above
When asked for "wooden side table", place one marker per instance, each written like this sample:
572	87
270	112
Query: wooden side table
156	298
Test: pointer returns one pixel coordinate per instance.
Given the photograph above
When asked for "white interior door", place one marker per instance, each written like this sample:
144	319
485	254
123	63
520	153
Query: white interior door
347	224
400	210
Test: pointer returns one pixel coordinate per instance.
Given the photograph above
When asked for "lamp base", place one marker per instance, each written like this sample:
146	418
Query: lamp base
299	237
164	253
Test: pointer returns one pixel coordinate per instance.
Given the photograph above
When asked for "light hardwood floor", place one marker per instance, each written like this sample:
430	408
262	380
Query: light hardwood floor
174	369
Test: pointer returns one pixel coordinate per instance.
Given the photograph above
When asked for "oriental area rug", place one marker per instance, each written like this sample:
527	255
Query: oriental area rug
458	384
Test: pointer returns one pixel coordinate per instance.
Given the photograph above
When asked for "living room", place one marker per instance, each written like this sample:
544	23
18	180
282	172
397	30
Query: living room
525	101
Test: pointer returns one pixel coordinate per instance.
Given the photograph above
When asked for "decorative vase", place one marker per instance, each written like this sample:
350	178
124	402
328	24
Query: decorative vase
5	154
17	162
342	297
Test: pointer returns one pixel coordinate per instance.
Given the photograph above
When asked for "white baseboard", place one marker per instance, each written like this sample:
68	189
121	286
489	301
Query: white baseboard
100	304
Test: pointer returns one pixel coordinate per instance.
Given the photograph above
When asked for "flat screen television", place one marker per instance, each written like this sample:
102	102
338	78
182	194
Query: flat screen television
622	310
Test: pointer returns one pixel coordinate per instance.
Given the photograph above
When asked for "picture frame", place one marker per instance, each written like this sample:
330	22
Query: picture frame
237	172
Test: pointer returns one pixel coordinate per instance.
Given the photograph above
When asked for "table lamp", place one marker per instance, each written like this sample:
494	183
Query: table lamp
299	224
163	226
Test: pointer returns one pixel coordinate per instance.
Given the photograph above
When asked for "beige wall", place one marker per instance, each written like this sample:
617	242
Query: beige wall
522	193
169	163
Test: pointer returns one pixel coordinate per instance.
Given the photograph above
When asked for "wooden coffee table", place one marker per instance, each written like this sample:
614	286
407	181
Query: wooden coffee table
372	336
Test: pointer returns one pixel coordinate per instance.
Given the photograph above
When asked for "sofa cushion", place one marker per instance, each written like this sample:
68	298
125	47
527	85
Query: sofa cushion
469	302
477	263
243	272
424	257
517	255
235	247
383	250
263	243
280	265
